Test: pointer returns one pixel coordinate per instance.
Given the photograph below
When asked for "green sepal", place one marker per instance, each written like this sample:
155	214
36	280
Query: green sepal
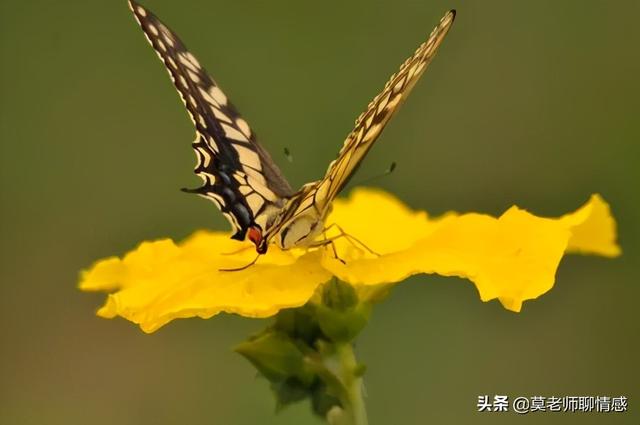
322	400
299	324
343	325
324	369
288	392
276	357
338	295
300	352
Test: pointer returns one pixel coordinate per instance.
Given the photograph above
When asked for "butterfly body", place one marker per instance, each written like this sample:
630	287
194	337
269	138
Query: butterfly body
238	174
303	227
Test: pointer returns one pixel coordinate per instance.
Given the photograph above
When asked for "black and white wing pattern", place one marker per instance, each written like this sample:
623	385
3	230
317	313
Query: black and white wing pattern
239	175
369	125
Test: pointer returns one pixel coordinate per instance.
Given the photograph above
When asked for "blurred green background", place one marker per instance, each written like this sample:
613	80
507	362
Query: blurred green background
528	103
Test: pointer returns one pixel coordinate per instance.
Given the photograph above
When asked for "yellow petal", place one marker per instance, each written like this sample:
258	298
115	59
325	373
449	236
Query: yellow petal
593	229
161	281
512	258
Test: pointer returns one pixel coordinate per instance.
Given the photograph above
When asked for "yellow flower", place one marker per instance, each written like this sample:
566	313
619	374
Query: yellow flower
513	258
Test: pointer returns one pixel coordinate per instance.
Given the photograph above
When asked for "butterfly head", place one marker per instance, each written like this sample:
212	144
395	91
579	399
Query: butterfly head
255	235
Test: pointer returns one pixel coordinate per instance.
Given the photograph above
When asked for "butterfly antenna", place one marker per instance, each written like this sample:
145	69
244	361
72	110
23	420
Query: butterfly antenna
287	153
386	172
243	267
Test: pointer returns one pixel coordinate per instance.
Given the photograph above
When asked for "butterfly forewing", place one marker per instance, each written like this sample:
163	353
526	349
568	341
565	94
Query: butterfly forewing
238	174
370	123
312	202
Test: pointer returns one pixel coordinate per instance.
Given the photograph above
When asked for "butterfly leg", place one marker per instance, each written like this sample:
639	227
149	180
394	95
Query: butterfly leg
328	241
352	239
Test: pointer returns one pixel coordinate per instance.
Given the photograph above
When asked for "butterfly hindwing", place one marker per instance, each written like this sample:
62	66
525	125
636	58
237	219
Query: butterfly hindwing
238	173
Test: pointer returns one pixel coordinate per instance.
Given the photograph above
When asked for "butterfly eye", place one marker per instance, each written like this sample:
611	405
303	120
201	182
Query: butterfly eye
255	235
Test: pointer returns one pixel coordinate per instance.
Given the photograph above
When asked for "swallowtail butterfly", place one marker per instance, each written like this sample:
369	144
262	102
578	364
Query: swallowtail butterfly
239	175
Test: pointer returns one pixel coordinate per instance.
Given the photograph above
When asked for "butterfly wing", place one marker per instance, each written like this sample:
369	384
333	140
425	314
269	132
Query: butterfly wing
239	175
370	123
310	205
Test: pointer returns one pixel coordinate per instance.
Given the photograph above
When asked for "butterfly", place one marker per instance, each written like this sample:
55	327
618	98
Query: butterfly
238	173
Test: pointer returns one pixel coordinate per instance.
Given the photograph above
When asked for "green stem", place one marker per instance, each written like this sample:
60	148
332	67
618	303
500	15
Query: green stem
354	407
